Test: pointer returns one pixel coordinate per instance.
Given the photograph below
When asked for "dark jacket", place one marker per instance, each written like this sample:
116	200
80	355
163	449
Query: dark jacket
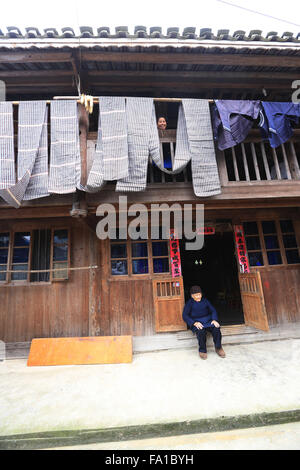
202	311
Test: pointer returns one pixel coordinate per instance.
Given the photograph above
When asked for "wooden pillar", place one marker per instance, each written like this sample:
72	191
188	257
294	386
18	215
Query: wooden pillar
83	131
94	286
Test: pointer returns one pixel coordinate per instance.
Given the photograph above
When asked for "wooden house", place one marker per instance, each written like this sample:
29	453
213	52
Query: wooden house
80	289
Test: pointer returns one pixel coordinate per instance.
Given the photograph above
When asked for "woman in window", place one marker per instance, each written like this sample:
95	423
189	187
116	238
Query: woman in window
161	124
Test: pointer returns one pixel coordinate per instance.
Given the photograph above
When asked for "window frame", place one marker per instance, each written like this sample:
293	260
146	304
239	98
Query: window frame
53	279
10	264
281	248
13	282
130	258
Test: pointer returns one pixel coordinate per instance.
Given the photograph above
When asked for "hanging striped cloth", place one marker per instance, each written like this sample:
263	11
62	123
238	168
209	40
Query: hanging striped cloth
65	163
111	155
32	154
139	119
206	181
7	154
35	135
194	141
114	137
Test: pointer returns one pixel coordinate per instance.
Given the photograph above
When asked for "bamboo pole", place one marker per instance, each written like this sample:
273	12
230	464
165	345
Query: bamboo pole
96	100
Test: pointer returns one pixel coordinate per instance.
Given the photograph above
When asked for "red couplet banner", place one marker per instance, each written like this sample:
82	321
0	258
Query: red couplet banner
241	248
175	255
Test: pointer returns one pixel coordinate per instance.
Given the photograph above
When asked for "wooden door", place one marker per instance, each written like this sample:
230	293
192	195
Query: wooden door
253	300
168	298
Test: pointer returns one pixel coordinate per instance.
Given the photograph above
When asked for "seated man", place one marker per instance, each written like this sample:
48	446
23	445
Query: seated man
200	316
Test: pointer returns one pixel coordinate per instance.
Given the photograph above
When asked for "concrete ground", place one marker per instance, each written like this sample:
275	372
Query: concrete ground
159	394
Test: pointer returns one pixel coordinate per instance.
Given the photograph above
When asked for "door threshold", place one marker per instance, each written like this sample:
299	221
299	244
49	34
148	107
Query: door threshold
231	334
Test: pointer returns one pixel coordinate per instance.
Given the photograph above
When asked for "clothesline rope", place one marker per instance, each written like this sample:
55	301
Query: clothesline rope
50	270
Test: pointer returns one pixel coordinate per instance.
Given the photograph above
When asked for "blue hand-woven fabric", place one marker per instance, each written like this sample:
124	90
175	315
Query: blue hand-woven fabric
232	121
276	121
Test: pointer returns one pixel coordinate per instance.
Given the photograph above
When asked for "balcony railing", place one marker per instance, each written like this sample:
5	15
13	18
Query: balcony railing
167	154
251	162
254	161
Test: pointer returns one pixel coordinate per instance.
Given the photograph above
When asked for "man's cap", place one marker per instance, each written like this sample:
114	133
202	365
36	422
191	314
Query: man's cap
195	290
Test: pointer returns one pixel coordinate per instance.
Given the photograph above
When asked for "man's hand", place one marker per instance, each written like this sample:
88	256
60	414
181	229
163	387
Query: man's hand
198	325
215	323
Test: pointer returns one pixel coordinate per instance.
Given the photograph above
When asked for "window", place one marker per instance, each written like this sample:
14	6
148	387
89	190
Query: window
40	255
4	247
253	244
137	257
160	255
60	258
41	247
289	242
271	242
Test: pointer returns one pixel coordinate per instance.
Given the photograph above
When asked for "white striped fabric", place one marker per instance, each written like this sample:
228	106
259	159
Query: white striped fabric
114	137
206	181
139	114
32	154
95	178
194	141
111	155
33	139
182	152
65	164
7	154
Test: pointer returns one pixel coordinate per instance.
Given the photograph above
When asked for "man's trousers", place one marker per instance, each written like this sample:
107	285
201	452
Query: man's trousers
201	336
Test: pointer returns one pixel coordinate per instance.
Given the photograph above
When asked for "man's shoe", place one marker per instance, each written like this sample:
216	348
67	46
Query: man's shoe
203	355
220	352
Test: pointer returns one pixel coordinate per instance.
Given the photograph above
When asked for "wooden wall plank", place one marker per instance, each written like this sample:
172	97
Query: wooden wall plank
49	309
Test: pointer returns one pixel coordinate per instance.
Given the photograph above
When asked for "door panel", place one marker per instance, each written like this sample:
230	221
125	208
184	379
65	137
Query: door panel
253	300
168	298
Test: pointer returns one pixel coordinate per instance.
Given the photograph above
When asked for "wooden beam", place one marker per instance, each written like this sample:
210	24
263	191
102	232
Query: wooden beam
35	73
137	74
26	57
180	84
173	75
34	212
35	81
45	90
233	195
193	58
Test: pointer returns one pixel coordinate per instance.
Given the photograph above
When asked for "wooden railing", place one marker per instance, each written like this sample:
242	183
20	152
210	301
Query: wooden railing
154	175
167	154
258	161
252	161
249	162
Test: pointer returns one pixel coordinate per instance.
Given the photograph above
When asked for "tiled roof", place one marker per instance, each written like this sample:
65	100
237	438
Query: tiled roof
14	32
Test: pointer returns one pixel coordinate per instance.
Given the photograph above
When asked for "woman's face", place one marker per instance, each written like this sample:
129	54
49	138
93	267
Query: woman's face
161	123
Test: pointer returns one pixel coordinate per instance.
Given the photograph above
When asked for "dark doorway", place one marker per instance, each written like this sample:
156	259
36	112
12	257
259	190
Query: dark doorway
214	269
